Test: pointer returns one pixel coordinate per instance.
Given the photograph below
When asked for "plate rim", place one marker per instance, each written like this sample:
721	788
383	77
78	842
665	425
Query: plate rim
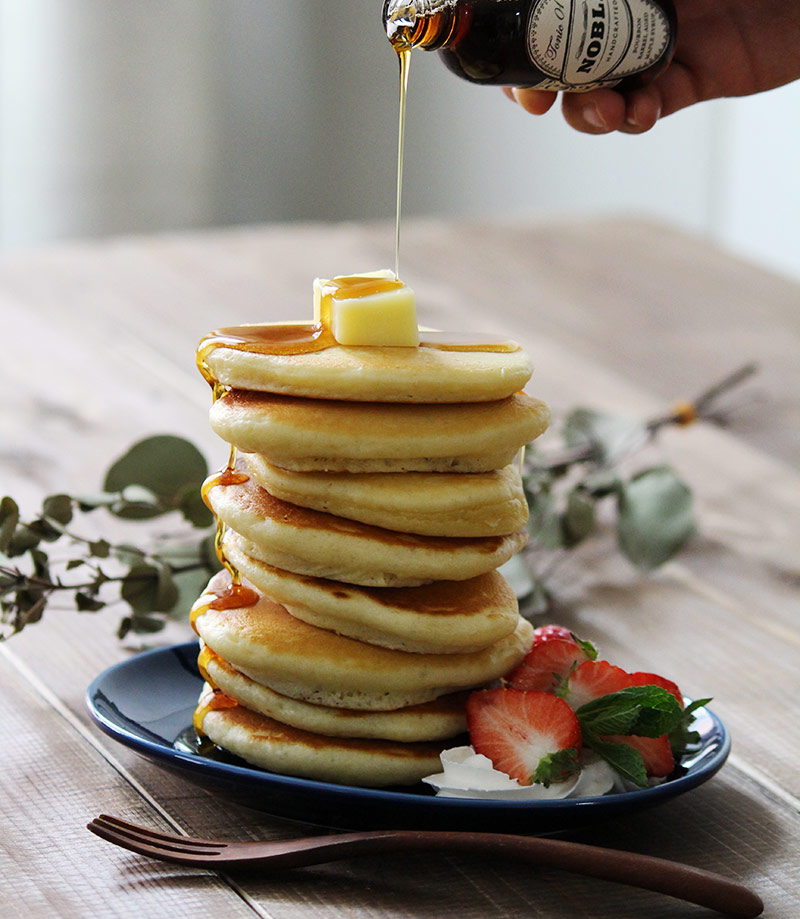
164	751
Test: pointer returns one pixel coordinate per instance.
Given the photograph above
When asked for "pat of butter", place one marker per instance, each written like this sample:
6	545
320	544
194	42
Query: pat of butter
373	309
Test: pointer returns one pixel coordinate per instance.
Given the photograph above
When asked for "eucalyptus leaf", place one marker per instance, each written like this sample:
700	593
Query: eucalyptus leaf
29	613
100	548
654	517
88	503
141	624
149	588
579	519
537	602
167	592
140	587
544	520
127	511
194	509
209	553
127	554
139	494
8	579
519	576
24	539
85	603
59	508
135	502
41	566
190	584
605	436
180	554
51	531
9	518
601	483
165	464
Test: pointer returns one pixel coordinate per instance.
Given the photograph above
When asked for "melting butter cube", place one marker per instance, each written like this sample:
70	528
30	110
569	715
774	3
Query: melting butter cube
373	309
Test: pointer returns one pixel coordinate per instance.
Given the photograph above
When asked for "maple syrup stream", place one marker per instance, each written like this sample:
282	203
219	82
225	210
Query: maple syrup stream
404	58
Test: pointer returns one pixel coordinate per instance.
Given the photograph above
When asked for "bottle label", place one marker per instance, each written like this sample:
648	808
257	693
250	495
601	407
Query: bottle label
583	44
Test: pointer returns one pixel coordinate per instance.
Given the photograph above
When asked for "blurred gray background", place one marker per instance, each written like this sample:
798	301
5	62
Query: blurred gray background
131	116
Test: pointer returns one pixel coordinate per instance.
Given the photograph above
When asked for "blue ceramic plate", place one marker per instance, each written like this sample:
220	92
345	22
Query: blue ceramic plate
147	703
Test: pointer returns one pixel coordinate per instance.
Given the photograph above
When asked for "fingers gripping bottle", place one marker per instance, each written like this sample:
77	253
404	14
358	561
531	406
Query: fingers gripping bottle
572	45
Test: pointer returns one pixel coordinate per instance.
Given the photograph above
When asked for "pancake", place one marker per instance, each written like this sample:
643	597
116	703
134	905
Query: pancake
426	503
444	617
323	434
437	720
323	545
375	374
268	744
272	647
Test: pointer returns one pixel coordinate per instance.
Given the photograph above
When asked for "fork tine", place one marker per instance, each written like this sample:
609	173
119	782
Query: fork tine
154	838
170	854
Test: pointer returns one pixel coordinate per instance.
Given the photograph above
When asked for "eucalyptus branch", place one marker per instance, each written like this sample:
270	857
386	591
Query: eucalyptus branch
564	488
704	407
157	477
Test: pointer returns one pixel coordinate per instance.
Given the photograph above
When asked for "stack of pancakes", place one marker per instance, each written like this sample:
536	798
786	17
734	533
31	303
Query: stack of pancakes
375	495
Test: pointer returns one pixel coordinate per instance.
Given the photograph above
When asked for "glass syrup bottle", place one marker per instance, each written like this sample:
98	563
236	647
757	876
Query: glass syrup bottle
572	45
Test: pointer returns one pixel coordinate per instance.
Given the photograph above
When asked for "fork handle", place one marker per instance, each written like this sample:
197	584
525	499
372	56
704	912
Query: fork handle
647	872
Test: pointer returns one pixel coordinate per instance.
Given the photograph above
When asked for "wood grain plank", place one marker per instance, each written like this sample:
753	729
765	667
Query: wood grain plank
52	782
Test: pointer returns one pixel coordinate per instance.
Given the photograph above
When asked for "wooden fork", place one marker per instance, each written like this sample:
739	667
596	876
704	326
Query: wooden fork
676	880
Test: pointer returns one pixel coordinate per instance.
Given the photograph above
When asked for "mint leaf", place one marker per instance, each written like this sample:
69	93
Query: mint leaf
681	736
647	711
556	767
622	758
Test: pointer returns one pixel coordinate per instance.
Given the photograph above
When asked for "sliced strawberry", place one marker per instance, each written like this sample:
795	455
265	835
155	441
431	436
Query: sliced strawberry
531	736
655	751
599	678
547	665
593	679
653	679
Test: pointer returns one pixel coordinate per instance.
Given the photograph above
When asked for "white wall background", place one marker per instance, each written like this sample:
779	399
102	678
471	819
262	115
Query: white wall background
120	116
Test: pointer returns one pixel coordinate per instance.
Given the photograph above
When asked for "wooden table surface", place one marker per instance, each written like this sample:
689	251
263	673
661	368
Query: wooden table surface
620	315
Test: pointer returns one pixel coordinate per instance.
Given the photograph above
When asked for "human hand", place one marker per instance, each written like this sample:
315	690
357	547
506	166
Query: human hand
723	48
